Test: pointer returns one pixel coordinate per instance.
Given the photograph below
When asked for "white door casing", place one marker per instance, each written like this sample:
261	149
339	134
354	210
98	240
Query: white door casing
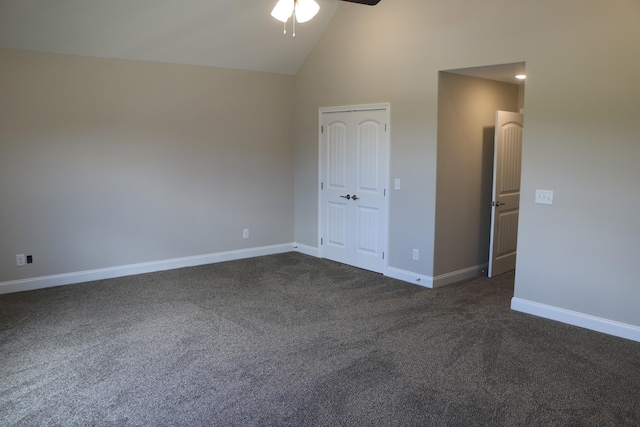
506	192
354	176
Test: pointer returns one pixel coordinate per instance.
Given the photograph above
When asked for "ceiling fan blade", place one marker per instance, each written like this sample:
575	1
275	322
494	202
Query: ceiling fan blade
368	2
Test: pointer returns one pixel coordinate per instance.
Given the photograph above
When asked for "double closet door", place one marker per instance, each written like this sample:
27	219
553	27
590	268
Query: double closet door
354	176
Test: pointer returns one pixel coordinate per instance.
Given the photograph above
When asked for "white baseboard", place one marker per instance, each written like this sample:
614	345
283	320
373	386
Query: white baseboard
307	250
394	273
146	267
457	276
409	276
587	321
437	281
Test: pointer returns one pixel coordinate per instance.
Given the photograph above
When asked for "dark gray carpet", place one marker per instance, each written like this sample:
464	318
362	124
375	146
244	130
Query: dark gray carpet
293	340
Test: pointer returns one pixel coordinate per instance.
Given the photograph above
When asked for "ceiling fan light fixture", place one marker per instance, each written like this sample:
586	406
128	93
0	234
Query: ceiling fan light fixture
301	10
305	10
283	10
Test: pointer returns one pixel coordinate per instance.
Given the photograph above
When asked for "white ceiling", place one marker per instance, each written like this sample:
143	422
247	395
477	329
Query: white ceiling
501	72
238	34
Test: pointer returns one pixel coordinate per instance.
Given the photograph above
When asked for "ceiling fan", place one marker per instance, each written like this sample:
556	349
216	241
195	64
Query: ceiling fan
303	10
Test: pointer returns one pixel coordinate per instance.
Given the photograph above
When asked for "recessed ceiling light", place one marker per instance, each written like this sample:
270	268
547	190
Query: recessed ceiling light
521	76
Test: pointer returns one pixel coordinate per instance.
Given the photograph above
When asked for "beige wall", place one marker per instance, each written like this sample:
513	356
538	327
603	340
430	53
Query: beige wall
106	163
580	139
466	125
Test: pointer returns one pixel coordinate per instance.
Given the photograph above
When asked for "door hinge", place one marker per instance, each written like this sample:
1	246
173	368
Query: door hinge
322	129
322	185
385	127
382	255
385	193
321	241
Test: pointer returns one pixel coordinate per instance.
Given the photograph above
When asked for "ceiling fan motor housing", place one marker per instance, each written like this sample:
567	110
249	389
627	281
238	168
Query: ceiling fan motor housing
369	2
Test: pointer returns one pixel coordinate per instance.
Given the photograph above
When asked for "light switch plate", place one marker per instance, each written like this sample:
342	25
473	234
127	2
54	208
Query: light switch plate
544	197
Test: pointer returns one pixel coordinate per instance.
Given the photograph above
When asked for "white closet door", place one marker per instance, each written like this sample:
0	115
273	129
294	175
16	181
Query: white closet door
354	175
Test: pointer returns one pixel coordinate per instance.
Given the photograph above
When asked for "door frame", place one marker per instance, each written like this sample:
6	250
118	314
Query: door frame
345	109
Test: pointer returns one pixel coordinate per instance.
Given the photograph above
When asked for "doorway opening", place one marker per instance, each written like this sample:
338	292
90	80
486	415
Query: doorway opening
467	103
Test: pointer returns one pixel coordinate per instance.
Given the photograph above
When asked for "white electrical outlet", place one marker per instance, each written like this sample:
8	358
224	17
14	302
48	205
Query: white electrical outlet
396	183
245	233
544	197
21	260
416	255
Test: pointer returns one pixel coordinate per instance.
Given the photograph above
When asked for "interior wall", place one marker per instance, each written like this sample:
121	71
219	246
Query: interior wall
466	126
521	98
108	162
580	139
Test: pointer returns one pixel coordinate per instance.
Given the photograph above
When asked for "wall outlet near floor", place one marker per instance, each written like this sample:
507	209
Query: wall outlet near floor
245	233
21	260
416	255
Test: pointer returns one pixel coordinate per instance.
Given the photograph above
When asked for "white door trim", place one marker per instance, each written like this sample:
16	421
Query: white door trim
347	108
360	107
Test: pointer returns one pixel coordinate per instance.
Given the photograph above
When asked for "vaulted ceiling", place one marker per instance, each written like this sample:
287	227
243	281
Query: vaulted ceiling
239	34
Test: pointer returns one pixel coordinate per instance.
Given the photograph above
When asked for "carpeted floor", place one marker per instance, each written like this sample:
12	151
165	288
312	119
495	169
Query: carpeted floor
294	340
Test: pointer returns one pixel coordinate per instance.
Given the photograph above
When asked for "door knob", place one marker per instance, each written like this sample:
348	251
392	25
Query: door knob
498	203
346	197
355	197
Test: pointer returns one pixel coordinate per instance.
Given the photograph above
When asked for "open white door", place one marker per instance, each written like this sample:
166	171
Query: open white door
354	172
505	209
